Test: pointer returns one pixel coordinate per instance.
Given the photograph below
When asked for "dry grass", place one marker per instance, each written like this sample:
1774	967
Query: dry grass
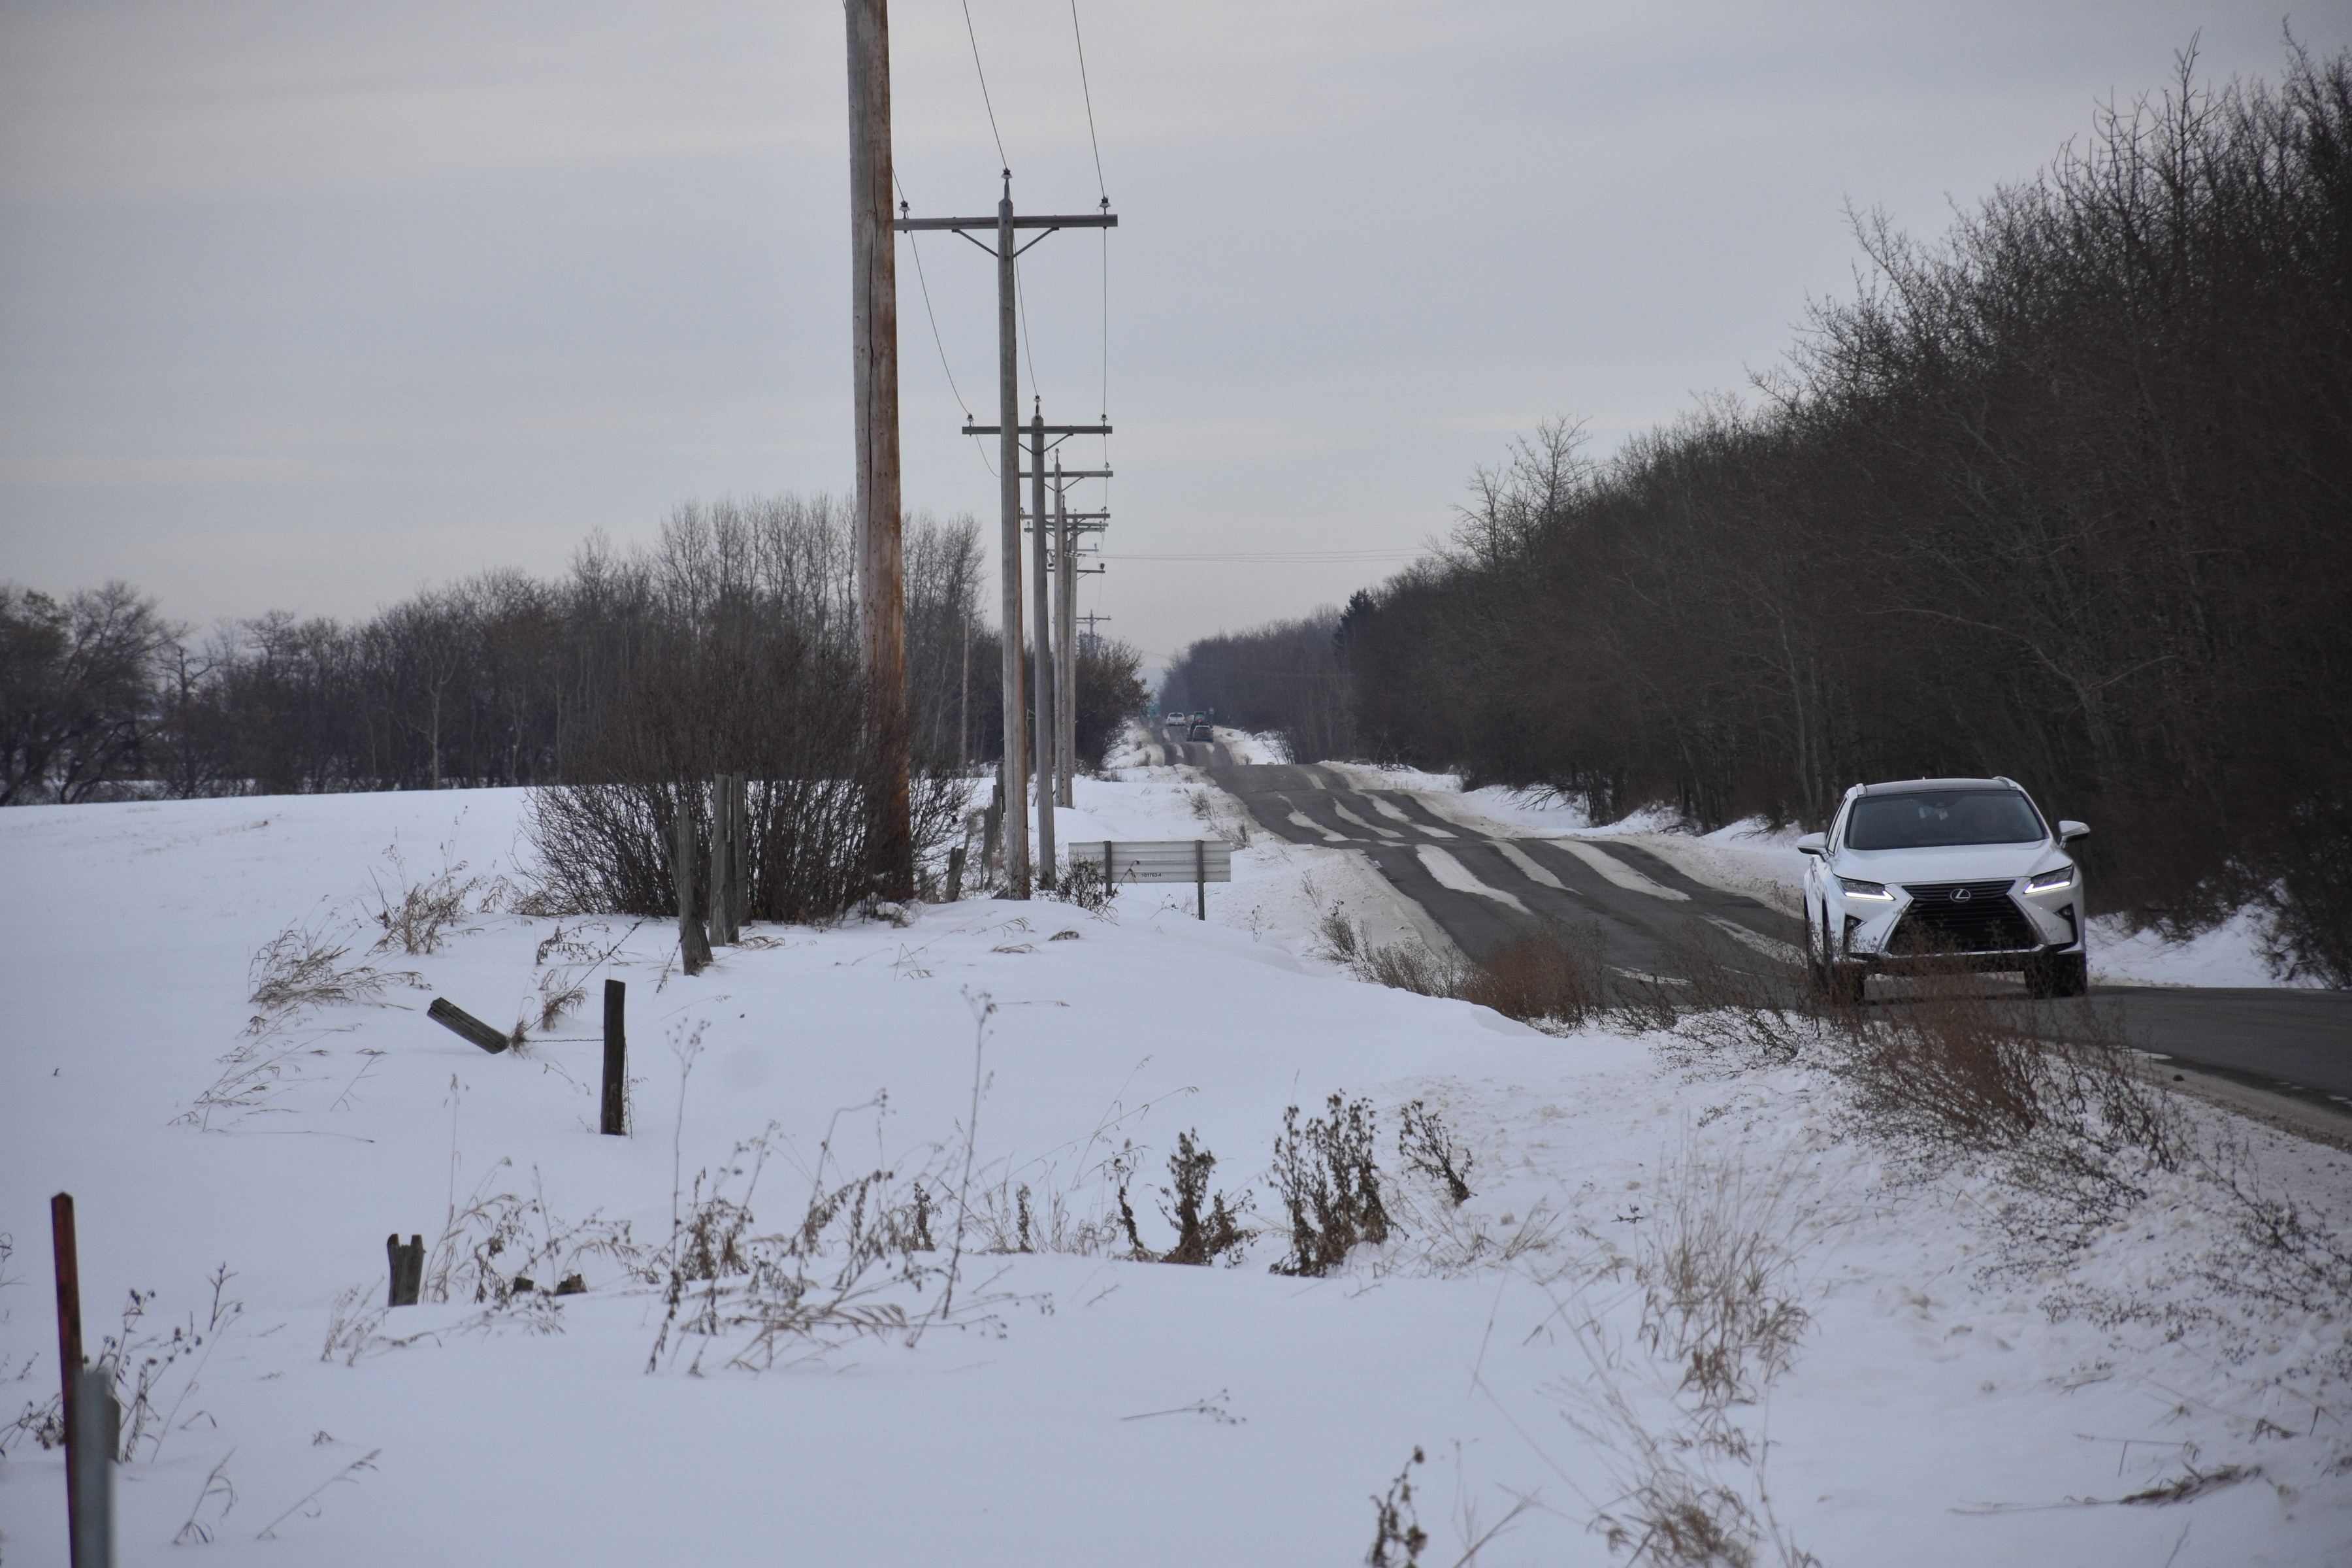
1717	1269
1552	978
419	917
302	968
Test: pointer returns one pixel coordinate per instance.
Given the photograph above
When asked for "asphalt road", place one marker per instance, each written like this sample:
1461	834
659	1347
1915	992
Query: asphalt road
1484	892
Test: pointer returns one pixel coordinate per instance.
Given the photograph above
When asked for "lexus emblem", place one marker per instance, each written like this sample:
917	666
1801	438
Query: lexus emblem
1960	895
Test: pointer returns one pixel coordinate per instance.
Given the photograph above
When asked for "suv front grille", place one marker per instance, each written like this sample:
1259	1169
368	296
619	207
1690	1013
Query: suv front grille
1962	916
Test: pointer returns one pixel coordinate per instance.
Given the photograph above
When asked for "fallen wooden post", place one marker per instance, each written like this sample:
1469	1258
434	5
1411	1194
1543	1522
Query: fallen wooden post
459	1022
616	1117
407	1269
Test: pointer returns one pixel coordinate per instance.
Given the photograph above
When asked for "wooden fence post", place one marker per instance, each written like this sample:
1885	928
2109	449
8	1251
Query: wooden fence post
1201	874
955	874
68	1268
693	946
616	1062
94	1427
407	1264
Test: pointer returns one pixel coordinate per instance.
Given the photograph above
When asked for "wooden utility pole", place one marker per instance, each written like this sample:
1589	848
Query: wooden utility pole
1007	430
1048	673
1066	639
873	339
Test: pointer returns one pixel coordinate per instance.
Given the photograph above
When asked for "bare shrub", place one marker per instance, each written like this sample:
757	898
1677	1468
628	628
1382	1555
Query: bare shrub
604	849
302	968
1331	1185
1083	883
1342	938
1397	1535
1199	1237
1424	1144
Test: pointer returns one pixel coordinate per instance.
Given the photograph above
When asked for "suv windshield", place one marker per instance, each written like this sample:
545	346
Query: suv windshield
1952	816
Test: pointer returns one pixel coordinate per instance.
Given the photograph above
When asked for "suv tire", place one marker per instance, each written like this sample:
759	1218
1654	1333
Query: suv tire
2061	975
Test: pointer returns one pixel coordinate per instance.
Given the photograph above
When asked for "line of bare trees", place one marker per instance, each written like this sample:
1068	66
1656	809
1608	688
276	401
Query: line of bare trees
2065	497
651	661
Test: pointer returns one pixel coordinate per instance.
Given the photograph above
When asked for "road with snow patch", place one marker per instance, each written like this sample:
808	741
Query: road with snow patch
1484	891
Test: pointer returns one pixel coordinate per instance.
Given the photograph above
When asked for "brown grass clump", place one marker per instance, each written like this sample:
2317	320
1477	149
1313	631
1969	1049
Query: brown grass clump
1717	1274
1555	975
418	917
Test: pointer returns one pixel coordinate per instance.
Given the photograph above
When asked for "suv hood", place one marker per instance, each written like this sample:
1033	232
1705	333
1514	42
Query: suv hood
1948	863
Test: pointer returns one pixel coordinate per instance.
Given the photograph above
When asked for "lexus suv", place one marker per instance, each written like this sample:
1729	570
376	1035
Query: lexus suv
1943	874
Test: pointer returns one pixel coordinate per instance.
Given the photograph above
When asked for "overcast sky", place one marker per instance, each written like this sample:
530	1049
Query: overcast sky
304	305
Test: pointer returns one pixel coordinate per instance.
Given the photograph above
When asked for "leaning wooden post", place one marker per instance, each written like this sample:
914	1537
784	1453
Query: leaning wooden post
693	946
616	1060
69	1267
1201	875
465	1026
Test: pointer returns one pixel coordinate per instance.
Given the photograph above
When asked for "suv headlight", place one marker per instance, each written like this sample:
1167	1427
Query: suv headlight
1857	888
2051	881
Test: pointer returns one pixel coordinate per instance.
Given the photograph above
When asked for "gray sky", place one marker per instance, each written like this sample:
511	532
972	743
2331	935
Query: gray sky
306	304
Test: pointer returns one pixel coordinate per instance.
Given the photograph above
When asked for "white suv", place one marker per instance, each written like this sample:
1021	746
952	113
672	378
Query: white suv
1943	874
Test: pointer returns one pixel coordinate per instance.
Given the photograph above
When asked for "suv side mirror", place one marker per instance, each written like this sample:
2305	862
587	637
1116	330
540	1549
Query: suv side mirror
1819	843
2070	831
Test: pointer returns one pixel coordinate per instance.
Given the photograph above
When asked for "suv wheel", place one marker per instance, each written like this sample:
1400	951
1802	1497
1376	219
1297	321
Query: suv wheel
1838	983
2061	975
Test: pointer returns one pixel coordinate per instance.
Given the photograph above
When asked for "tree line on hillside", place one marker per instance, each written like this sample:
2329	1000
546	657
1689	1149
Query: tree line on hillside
2063	498
699	654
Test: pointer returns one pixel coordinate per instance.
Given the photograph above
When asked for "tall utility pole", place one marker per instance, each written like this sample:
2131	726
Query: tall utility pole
1048	671
874	347
1066	640
1007	428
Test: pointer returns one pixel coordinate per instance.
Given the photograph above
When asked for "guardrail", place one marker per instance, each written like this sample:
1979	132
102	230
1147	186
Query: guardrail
1200	862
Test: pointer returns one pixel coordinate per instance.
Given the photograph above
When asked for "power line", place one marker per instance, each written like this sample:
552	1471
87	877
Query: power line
1102	189
1295	557
1005	162
937	341
1020	303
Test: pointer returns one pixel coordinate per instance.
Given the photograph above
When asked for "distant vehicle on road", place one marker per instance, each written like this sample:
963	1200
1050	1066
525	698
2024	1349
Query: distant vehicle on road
1202	732
1945	874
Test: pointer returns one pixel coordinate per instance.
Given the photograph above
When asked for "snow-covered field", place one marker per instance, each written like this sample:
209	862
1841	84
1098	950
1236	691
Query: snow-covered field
1071	1406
